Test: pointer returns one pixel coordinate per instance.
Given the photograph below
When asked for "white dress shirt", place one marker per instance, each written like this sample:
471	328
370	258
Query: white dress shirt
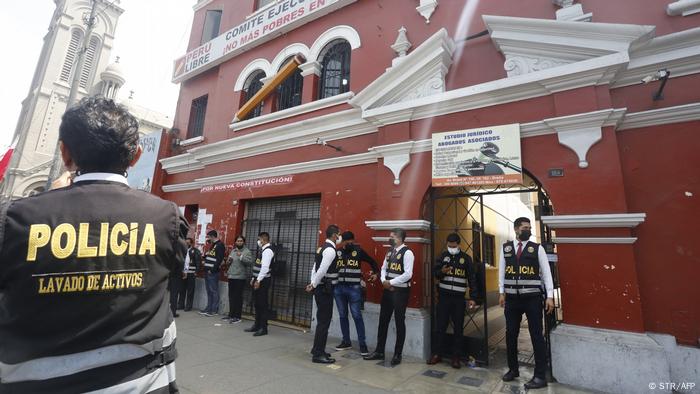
328	257
545	272
187	260
101	176
265	262
407	267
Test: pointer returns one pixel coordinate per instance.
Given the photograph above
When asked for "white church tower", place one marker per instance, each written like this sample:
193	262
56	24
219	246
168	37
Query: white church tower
37	127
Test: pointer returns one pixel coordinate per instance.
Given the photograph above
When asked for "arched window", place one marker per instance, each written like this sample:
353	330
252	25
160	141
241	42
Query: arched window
335	69
252	85
90	61
289	91
68	64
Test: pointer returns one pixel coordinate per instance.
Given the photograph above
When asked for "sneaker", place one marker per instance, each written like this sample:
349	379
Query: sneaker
344	346
208	314
363	350
203	313
234	320
226	318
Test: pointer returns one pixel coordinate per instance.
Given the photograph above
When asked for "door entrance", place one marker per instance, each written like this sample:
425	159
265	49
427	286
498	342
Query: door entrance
483	217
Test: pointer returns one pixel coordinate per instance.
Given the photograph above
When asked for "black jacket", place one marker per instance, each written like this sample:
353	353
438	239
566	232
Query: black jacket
461	260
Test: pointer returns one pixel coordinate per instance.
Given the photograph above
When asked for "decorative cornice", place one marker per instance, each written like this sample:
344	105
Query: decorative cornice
683	7
201	4
192	141
409	240
383	225
616	220
602	118
594	240
396	157
655	117
426	9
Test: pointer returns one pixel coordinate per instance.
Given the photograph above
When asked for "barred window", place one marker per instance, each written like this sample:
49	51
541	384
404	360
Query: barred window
212	23
289	91
198	112
335	71
69	62
251	87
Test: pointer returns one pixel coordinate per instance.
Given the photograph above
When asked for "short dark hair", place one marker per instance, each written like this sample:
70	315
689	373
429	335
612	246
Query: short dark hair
519	221
101	135
190	239
454	237
348	236
332	229
265	235
213	233
400	232
239	237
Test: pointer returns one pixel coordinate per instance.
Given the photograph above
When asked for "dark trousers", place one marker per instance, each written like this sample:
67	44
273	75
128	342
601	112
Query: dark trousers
532	308
185	297
174	287
261	303
324	314
393	302
235	297
450	307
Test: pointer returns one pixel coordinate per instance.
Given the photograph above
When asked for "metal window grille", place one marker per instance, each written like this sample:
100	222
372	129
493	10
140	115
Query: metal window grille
198	112
293	225
251	88
289	91
335	72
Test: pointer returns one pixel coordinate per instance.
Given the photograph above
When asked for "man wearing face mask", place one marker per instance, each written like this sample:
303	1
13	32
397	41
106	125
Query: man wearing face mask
397	272
192	260
212	262
323	277
522	270
240	259
454	270
261	284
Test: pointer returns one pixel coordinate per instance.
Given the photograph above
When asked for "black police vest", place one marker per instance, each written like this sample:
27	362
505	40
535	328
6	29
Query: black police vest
84	274
455	281
522	276
211	264
192	266
394	269
257	267
349	270
332	272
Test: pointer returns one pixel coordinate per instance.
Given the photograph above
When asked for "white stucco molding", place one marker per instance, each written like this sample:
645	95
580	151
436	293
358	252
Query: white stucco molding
615	220
409	240
191	141
286	53
683	7
678	114
344	32
396	157
531	45
384	225
426	9
311	68
594	240
201	4
257	64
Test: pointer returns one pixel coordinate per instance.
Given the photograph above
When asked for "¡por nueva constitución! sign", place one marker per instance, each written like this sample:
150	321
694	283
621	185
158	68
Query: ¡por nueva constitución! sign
250	184
483	156
257	28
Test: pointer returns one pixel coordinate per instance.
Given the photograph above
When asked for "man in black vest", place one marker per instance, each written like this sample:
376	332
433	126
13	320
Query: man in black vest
193	259
84	269
212	264
397	271
323	278
348	292
261	284
522	271
454	270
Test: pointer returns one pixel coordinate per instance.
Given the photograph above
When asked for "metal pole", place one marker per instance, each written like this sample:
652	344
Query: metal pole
57	166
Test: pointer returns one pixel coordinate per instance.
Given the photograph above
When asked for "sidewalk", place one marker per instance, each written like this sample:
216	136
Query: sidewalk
216	357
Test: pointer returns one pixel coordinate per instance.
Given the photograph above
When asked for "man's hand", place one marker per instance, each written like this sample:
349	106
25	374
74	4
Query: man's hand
549	305
252	282
238	252
472	304
309	288
64	180
184	275
386	284
256	285
445	269
373	277
502	300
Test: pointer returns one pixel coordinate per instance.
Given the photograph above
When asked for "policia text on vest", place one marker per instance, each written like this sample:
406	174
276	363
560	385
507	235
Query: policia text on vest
93	258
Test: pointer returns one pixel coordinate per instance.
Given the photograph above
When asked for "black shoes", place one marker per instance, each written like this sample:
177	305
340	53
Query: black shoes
363	350
260	332
510	376
323	359
396	360
251	329
374	356
535	383
344	346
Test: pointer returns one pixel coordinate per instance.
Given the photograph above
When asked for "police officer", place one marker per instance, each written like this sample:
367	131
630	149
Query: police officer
455	271
522	271
323	278
261	284
86	264
348	291
212	264
193	259
397	271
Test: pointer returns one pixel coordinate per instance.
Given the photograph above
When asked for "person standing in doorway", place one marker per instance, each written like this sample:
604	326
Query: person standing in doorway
239	262
193	259
261	284
522	271
212	262
454	270
397	272
348	291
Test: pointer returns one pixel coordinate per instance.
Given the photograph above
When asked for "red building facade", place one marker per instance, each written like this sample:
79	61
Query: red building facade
570	75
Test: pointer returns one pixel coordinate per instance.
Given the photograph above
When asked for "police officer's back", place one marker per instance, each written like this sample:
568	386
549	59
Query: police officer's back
84	270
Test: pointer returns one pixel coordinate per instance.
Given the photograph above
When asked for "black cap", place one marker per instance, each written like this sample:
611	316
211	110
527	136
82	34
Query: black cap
213	233
348	235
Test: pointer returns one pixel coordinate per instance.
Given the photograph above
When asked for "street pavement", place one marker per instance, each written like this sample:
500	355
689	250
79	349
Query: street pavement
217	357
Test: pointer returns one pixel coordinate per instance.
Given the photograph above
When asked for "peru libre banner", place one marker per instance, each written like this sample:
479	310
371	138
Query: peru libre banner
483	156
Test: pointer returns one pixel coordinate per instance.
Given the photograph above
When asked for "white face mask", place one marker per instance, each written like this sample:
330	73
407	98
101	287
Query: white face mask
260	244
453	251
339	240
